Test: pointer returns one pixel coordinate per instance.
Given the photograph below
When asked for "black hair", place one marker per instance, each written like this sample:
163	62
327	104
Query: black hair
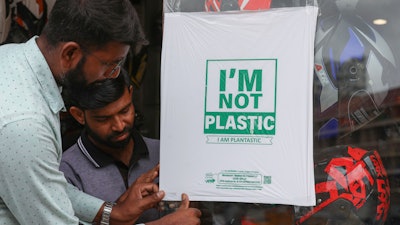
97	94
94	23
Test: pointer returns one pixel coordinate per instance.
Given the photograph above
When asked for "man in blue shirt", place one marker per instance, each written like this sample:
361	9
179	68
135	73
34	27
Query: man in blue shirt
83	41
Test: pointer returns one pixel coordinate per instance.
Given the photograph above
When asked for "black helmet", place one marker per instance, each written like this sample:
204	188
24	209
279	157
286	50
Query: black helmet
355	75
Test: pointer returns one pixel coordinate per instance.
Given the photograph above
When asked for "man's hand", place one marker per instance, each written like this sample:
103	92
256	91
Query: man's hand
149	176
137	199
182	216
143	195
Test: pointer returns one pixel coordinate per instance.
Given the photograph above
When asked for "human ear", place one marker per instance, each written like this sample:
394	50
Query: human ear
78	114
71	54
130	89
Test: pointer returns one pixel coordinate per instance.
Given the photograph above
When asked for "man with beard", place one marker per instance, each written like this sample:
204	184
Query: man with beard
110	154
83	41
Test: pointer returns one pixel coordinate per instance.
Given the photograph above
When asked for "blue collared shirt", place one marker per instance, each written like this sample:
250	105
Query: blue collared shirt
32	189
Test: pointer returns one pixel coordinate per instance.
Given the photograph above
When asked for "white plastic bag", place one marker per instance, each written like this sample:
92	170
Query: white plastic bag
236	106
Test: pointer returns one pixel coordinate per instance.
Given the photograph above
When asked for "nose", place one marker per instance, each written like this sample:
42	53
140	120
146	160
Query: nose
118	124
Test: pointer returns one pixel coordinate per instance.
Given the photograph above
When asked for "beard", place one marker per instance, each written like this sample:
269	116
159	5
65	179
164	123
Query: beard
108	140
74	79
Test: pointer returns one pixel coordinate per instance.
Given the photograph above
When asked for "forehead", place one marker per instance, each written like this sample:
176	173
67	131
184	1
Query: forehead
114	107
112	51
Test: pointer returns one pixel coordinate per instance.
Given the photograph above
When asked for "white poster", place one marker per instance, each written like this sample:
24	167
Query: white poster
236	106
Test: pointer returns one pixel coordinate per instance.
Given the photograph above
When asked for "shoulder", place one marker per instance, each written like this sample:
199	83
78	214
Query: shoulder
27	134
12	57
71	154
9	47
152	143
74	161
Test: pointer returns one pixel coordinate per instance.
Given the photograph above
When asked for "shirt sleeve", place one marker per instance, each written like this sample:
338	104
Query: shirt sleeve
84	205
31	186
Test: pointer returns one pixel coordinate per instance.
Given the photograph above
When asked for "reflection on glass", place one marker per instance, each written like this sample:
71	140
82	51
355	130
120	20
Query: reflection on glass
356	114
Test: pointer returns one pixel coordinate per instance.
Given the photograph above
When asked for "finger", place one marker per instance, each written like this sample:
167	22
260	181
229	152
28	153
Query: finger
136	190
148	187
185	201
154	173
152	200
149	176
157	167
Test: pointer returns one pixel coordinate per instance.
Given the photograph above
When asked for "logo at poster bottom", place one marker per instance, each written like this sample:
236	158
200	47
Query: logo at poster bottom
240	101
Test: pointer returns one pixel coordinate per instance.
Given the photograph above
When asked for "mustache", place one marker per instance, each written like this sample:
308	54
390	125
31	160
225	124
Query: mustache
116	134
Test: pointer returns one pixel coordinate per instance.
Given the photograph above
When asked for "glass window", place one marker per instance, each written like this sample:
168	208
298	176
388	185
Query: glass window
356	114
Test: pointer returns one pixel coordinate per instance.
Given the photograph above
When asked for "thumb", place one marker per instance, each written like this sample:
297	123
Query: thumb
185	202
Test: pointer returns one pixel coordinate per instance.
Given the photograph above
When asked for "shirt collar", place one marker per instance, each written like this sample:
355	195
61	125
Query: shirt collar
101	159
49	87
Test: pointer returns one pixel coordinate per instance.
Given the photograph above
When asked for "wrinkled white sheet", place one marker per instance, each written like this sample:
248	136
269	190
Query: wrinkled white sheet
236	106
